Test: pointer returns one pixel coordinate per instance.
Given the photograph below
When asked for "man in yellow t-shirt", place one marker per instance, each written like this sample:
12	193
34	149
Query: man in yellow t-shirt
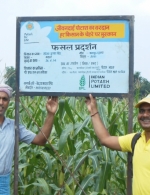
141	162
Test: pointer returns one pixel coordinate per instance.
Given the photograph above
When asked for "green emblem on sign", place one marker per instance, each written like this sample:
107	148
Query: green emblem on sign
82	83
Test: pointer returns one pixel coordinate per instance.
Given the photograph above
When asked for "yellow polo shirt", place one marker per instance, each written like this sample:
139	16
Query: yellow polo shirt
141	162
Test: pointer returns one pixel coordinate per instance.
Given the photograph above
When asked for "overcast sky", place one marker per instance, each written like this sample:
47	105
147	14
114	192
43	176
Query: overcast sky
10	9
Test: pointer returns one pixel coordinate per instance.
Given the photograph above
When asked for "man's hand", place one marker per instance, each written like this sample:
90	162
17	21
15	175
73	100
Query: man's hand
52	105
103	135
91	104
43	135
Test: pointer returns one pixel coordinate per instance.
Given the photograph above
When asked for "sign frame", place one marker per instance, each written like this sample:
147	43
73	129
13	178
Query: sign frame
129	19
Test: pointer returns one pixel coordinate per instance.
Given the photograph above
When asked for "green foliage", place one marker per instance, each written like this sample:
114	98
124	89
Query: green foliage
141	85
73	162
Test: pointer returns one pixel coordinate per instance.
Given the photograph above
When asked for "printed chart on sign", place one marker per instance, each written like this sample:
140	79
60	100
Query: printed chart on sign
74	56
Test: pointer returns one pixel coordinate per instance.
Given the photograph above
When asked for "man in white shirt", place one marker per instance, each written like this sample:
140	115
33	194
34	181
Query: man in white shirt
7	135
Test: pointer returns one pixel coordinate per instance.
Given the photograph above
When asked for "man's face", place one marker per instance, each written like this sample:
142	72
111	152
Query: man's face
144	116
4	102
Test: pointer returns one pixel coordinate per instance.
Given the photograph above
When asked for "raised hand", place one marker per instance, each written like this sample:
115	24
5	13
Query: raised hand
52	105
91	104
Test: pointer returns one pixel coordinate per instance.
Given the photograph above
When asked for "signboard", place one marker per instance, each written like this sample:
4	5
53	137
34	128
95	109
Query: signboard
74	55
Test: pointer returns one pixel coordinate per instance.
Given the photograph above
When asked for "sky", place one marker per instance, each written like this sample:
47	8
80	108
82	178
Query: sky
10	10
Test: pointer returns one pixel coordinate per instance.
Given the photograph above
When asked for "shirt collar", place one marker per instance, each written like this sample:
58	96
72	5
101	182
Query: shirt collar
6	121
143	136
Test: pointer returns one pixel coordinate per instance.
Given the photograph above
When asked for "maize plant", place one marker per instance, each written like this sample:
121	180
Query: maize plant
73	162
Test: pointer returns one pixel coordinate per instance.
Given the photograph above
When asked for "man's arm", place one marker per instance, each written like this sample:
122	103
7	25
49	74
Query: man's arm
51	106
105	138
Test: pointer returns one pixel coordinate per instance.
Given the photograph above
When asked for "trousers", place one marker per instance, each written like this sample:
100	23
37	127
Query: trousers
5	184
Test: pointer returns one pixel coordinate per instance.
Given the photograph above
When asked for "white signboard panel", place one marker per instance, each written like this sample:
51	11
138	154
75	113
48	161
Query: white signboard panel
74	56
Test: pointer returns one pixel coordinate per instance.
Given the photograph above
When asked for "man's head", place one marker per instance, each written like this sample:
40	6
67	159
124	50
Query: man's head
7	89
5	95
144	113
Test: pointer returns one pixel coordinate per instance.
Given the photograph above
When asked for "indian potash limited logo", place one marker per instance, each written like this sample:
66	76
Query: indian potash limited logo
29	26
82	83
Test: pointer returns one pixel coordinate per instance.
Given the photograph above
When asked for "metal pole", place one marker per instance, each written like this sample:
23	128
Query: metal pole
130	97
16	149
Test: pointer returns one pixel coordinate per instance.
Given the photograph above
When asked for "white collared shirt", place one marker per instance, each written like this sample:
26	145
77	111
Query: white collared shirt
7	142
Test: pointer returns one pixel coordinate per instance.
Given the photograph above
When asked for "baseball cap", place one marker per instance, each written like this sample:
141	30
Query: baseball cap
144	100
